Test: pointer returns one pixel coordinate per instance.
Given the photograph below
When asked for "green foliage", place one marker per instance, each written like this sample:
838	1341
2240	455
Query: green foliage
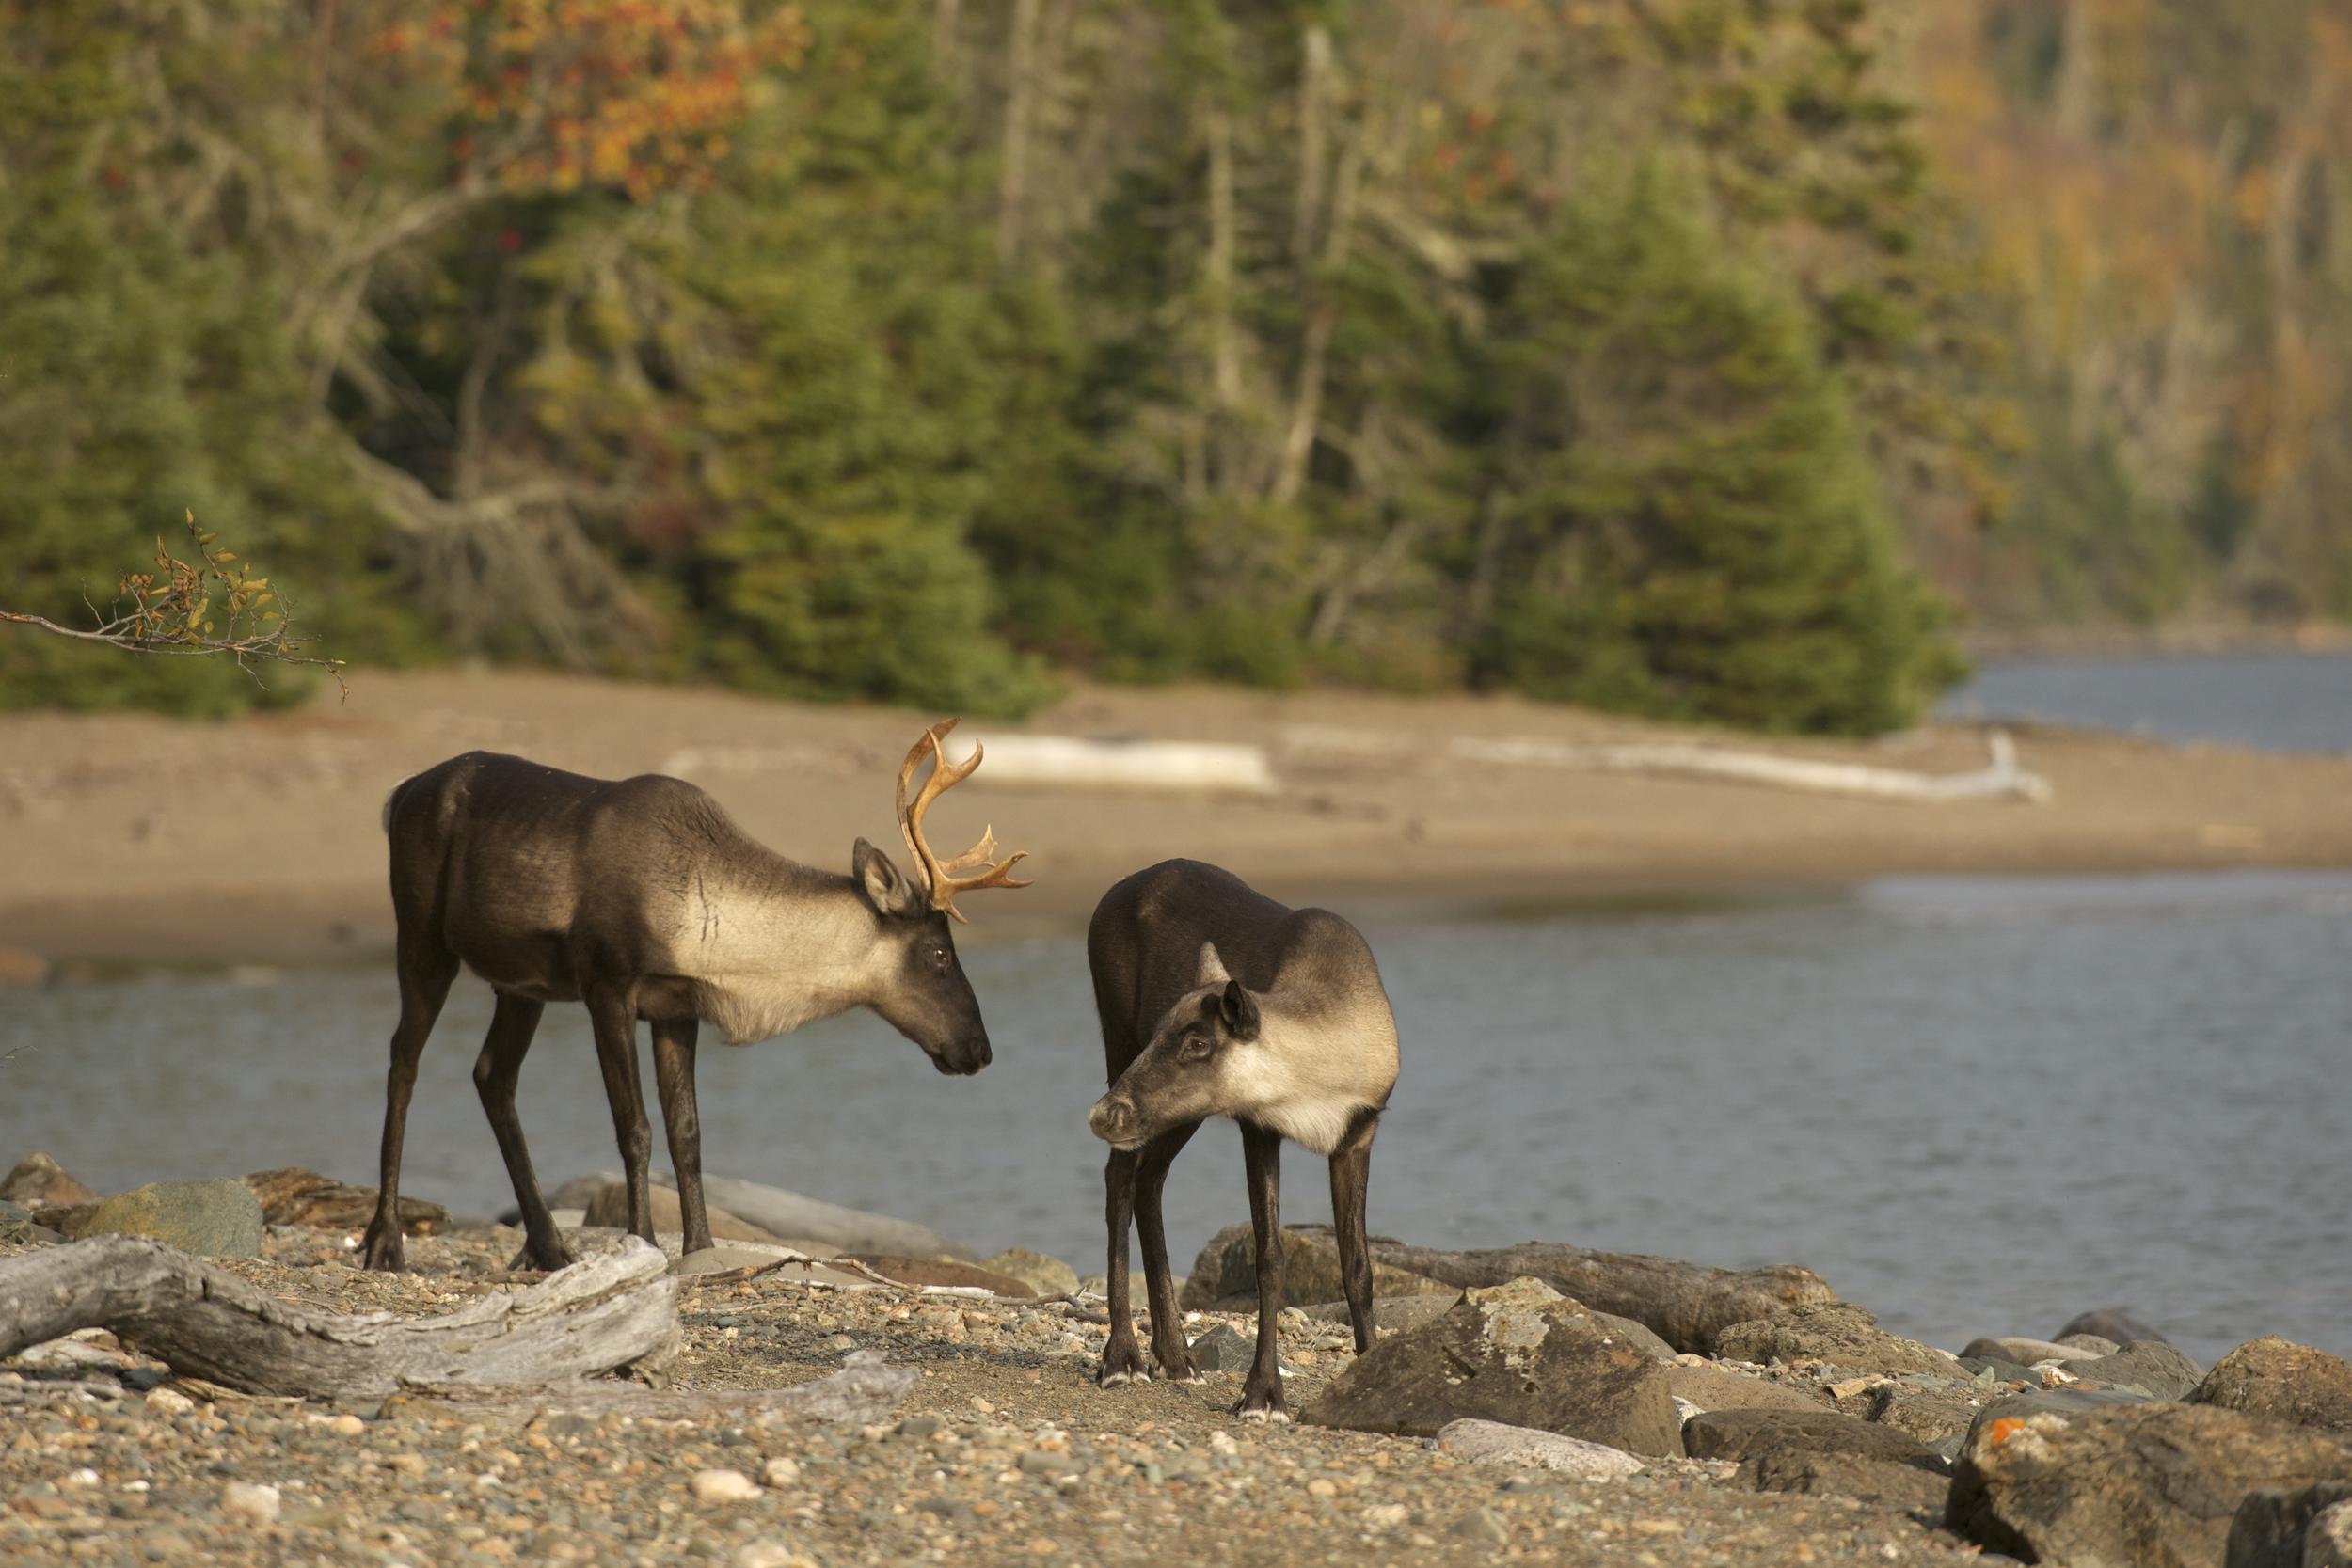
1695	528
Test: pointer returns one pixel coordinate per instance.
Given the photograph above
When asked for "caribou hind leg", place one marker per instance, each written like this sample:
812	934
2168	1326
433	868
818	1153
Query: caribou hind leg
681	1118
1170	1356
615	1026
1351	1175
426	969
1122	1360
1262	1153
495	1074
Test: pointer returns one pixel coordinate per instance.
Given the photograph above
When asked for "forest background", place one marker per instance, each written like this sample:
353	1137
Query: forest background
1726	359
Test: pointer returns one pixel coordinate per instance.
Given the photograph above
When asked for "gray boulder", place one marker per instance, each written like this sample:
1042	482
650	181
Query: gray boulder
2025	1353
2149	1364
2308	1528
2116	1325
1844	1474
1225	1277
2283	1380
2148	1485
1390	1314
1493	1443
1519	1354
210	1219
1711	1386
38	1179
1047	1277
1840	1334
1937	1413
1744	1435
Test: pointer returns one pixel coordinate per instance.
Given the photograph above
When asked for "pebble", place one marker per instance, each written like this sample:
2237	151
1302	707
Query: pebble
771	1554
782	1472
723	1486
247	1502
1483	1526
165	1402
347	1426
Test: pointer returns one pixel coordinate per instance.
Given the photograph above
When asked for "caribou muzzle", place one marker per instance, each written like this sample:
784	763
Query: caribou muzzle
1114	1119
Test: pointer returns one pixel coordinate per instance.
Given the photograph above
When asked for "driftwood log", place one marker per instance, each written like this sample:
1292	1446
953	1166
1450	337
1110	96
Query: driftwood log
1683	1304
602	1313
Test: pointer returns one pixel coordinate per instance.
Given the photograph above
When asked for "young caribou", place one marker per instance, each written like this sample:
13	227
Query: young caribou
640	898
1216	1001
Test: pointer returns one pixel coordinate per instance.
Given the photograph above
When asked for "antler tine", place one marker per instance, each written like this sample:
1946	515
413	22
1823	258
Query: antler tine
943	875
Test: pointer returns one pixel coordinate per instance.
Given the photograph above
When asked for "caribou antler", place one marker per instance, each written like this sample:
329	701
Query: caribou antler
946	876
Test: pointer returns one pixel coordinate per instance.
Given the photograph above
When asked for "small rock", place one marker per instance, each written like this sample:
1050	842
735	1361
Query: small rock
723	1486
165	1402
1043	1276
1493	1443
1841	1334
770	1554
1323	1487
248	1503
347	1426
2308	1528
38	1180
211	1219
1749	1434
1483	1526
2024	1351
2283	1380
782	1472
2149	1364
2118	1325
1223	1350
1386	1515
981	1405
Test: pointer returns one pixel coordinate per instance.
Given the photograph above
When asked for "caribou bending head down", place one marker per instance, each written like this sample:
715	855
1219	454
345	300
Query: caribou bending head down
1216	1001
640	899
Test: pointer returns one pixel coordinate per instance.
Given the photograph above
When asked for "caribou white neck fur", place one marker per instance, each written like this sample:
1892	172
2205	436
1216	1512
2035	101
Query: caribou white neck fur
773	958
1318	1060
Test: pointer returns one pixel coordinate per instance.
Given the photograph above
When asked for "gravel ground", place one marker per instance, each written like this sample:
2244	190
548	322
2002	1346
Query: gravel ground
1005	1452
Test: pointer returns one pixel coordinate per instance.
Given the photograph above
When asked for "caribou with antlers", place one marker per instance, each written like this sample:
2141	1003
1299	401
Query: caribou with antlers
642	901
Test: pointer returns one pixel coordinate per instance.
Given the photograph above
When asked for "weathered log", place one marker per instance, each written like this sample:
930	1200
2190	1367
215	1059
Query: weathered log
604	1312
1683	1304
297	1196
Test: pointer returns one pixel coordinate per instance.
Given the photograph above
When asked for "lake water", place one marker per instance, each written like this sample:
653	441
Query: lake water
1975	1105
2275	701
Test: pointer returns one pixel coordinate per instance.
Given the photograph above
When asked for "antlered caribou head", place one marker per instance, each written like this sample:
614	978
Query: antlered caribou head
928	999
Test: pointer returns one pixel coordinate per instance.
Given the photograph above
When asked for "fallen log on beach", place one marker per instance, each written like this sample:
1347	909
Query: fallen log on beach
1684	1304
600	1314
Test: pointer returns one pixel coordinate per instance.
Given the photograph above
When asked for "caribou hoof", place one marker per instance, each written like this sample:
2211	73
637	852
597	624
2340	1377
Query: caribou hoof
1274	1416
1121	1364
1111	1380
385	1253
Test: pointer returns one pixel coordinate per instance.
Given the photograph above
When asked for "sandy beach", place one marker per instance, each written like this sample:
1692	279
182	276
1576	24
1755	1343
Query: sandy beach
142	839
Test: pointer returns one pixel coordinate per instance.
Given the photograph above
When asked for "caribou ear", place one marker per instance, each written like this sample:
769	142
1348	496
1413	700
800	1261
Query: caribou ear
884	888
1211	967
1240	1012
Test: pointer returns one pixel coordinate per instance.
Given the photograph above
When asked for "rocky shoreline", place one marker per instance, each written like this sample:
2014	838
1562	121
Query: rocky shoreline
1495	1421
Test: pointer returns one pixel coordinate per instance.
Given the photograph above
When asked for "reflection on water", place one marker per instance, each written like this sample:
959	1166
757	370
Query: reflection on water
2273	702
1977	1106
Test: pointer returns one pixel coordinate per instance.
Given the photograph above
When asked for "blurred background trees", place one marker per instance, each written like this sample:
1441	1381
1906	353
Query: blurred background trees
1708	357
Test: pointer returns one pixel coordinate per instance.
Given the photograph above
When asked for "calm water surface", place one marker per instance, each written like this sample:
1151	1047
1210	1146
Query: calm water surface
1977	1106
2274	702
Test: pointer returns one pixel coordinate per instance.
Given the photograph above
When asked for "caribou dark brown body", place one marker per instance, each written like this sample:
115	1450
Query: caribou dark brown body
642	901
1217	1001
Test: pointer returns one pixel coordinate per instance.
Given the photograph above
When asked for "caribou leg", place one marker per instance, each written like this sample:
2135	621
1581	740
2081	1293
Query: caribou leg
1170	1356
674	1081
1122	1362
426	969
1350	1174
615	1025
495	1074
1262	1153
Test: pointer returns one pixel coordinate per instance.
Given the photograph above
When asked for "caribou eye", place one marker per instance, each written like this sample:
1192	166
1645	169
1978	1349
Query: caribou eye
939	957
1195	1048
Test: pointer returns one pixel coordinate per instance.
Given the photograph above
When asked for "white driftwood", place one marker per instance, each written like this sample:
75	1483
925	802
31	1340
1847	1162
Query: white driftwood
604	1312
863	1391
2000	778
1169	767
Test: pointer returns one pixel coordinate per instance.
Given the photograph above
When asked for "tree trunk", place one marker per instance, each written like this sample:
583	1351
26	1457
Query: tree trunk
1020	104
1224	349
607	1312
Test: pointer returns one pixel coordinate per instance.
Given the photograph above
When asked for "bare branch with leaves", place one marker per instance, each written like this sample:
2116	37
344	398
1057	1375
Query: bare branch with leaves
208	606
